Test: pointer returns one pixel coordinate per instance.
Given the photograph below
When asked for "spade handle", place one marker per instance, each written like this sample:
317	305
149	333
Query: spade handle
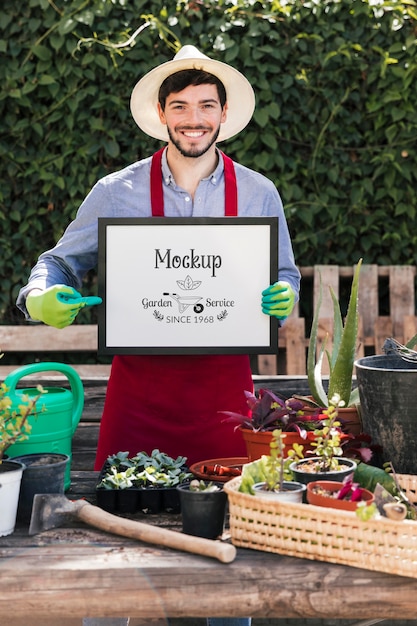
94	516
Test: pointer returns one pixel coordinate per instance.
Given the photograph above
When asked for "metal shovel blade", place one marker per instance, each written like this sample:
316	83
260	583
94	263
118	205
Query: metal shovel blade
50	510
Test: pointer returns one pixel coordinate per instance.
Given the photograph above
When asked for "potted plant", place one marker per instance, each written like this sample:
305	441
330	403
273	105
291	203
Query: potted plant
13	427
144	482
333	494
269	412
340	360
203	508
278	484
327	462
62	407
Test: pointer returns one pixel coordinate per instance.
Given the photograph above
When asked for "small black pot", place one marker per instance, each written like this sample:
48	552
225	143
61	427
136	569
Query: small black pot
202	512
43	473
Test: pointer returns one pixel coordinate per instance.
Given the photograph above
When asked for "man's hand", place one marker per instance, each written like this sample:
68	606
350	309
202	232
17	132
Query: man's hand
278	300
57	306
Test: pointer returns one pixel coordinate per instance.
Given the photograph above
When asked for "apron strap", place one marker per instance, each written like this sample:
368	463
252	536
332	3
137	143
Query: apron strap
230	187
157	193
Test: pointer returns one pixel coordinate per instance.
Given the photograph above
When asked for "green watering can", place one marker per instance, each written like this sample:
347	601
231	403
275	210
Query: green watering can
57	416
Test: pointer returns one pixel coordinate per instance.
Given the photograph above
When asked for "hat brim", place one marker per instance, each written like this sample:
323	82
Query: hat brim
239	93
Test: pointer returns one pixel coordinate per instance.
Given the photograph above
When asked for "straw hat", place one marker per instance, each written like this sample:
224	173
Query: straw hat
239	93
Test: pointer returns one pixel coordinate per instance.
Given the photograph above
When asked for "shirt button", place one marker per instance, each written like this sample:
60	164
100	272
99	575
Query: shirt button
187	198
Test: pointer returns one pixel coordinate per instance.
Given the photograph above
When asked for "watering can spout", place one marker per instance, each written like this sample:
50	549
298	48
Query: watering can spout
58	411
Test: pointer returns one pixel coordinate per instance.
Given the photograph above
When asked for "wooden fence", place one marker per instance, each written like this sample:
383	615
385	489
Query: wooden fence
386	308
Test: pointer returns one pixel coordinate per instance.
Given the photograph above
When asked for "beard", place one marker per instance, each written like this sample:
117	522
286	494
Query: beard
196	151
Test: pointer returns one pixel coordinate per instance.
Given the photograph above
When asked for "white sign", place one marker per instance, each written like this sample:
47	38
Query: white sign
178	286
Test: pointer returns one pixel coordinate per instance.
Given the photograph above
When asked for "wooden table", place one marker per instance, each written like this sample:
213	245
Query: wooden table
79	571
92	573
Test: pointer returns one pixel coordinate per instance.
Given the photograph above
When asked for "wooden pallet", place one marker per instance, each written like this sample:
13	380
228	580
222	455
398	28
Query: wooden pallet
387	288
386	307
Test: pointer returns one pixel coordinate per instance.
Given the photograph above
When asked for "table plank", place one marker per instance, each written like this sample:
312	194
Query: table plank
98	574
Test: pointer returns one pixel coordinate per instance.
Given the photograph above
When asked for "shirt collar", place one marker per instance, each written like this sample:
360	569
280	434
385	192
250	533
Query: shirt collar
214	177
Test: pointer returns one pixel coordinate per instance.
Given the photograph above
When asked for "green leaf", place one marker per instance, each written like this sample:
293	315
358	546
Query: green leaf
261	117
46	80
337	328
313	368
42	52
66	26
341	379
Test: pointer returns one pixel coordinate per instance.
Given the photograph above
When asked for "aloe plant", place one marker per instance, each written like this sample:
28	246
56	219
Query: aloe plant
342	357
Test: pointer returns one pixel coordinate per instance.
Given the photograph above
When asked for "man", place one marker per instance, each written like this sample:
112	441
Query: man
171	402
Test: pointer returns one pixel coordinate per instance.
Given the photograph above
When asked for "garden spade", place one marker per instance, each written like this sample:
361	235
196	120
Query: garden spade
53	510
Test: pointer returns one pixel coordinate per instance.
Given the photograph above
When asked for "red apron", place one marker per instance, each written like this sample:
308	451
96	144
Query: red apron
172	402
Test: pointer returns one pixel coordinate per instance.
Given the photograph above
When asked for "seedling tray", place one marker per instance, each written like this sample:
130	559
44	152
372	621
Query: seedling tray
149	500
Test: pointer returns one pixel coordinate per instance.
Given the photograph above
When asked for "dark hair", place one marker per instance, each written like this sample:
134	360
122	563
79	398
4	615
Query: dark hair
184	78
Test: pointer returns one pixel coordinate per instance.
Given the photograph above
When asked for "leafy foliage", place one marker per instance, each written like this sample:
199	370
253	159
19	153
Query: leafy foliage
143	470
328	443
334	127
14	425
269	412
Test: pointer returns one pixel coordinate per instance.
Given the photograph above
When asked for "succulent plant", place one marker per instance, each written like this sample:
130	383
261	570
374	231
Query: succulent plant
342	358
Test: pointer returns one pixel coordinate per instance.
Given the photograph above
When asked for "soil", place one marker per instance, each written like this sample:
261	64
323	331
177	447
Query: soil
311	468
329	494
43	460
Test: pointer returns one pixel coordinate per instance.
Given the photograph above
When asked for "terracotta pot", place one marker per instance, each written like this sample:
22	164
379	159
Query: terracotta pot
258	442
350	417
327	501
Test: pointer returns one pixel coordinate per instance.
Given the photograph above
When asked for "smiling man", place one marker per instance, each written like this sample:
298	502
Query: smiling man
192	120
172	402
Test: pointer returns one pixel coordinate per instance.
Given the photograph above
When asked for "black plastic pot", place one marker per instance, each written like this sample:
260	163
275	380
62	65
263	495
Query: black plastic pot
203	513
43	473
388	401
305	477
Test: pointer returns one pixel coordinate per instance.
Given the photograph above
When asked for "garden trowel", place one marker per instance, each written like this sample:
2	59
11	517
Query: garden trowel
387	505
53	510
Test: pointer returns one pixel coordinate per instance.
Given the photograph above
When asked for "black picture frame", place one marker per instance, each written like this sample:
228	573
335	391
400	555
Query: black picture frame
186	285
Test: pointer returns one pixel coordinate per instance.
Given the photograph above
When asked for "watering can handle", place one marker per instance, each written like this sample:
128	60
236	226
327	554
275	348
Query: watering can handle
75	381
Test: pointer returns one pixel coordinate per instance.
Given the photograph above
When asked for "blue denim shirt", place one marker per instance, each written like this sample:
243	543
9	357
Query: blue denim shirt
126	193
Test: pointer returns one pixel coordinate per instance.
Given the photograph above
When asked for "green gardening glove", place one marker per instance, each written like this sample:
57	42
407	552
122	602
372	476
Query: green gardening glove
278	300
58	305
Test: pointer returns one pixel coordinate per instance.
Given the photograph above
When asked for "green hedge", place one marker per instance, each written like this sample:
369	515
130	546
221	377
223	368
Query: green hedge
335	125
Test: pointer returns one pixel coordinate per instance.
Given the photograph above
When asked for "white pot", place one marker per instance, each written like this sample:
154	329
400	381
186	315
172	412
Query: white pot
293	492
10	479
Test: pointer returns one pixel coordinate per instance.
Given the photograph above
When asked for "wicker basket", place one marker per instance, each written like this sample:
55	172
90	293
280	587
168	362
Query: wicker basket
324	534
